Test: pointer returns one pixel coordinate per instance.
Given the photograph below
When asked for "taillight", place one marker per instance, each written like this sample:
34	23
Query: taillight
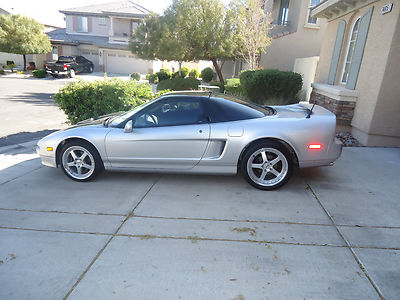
65	67
46	66
314	146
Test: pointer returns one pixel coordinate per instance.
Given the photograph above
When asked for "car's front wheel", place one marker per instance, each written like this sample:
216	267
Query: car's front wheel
90	69
267	165
80	161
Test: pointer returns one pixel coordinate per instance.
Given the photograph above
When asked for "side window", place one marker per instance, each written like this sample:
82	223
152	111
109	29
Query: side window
171	112
79	59
222	110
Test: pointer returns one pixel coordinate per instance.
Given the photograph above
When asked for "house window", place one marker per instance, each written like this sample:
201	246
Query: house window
134	25
82	24
311	20
54	53
283	12
102	21
350	51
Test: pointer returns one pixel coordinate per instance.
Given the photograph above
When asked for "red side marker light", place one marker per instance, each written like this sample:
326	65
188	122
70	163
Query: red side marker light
65	67
314	146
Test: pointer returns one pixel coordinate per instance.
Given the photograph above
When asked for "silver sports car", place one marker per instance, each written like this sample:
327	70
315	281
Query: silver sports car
198	134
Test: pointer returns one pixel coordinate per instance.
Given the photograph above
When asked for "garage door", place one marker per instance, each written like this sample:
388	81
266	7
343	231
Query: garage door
123	63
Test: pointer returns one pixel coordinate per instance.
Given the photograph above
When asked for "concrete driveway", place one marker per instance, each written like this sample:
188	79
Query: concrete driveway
331	233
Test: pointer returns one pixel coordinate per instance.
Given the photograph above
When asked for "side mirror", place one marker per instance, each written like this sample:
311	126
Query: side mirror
128	126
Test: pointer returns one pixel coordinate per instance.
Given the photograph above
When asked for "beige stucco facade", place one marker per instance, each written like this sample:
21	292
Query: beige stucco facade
297	39
376	120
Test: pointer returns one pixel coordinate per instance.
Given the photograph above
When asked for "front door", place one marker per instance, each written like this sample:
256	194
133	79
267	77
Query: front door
172	133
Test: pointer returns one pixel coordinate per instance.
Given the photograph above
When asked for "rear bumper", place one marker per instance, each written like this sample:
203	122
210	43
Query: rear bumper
57	72
333	153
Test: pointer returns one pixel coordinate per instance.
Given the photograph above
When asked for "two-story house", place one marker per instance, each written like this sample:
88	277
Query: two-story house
359	69
101	34
296	41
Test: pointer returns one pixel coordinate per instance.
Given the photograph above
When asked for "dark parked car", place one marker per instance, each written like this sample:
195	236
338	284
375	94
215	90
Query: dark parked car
69	65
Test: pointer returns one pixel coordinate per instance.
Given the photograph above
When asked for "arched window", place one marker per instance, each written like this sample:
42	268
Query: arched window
350	51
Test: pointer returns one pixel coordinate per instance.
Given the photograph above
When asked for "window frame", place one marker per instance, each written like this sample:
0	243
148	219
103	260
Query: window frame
309	15
103	21
283	14
81	28
349	40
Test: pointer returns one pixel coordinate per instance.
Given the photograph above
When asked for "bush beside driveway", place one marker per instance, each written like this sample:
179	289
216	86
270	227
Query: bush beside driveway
160	236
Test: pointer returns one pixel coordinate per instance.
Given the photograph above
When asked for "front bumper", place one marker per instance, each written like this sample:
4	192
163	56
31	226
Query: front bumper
47	160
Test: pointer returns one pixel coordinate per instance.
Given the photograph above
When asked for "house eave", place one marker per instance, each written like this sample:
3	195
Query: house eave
104	14
333	9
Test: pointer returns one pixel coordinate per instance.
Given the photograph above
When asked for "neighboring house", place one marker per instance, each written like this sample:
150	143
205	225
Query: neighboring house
359	68
296	41
38	59
101	34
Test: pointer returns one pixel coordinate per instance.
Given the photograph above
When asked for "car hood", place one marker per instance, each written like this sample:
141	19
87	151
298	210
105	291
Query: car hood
95	121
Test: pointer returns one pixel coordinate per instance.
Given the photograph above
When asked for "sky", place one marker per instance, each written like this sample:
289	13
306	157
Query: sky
46	11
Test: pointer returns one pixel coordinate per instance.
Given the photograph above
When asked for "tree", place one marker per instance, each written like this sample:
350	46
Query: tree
22	35
189	30
253	27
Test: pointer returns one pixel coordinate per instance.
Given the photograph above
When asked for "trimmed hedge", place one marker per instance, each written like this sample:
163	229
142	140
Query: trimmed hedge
219	84
39	73
272	87
178	84
152	78
81	100
135	76
163	74
207	74
233	87
194	73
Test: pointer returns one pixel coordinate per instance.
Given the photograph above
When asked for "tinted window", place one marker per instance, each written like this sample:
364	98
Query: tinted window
223	110
65	59
170	112
80	59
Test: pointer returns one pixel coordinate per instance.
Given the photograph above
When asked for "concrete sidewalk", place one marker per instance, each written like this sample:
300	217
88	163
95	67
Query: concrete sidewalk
330	233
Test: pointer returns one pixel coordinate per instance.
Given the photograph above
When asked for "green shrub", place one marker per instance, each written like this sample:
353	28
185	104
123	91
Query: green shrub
10	66
207	74
10	62
152	78
2	72
81	100
135	76
163	74
39	73
194	73
271	86
219	84
178	84
233	87
184	73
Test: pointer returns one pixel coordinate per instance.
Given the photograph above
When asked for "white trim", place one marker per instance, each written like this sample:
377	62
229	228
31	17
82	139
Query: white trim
336	92
348	48
308	15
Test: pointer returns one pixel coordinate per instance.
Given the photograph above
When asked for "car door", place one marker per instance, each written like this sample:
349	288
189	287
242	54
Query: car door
171	133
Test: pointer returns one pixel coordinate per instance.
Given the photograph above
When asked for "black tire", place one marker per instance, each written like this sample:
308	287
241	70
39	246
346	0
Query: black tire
92	159
71	73
90	69
274	151
54	75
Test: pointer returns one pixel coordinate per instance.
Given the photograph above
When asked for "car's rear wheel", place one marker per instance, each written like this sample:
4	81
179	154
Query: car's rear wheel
71	73
80	161
54	75
267	165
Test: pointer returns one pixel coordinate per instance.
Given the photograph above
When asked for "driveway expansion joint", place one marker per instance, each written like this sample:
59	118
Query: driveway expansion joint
108	242
360	264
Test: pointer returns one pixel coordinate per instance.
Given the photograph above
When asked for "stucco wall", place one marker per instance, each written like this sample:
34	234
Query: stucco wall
122	26
305	42
377	109
100	30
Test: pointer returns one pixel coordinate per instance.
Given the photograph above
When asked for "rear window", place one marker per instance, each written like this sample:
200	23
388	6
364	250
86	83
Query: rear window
66	59
223	110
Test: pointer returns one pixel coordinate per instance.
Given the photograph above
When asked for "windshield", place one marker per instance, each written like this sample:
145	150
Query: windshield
120	119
